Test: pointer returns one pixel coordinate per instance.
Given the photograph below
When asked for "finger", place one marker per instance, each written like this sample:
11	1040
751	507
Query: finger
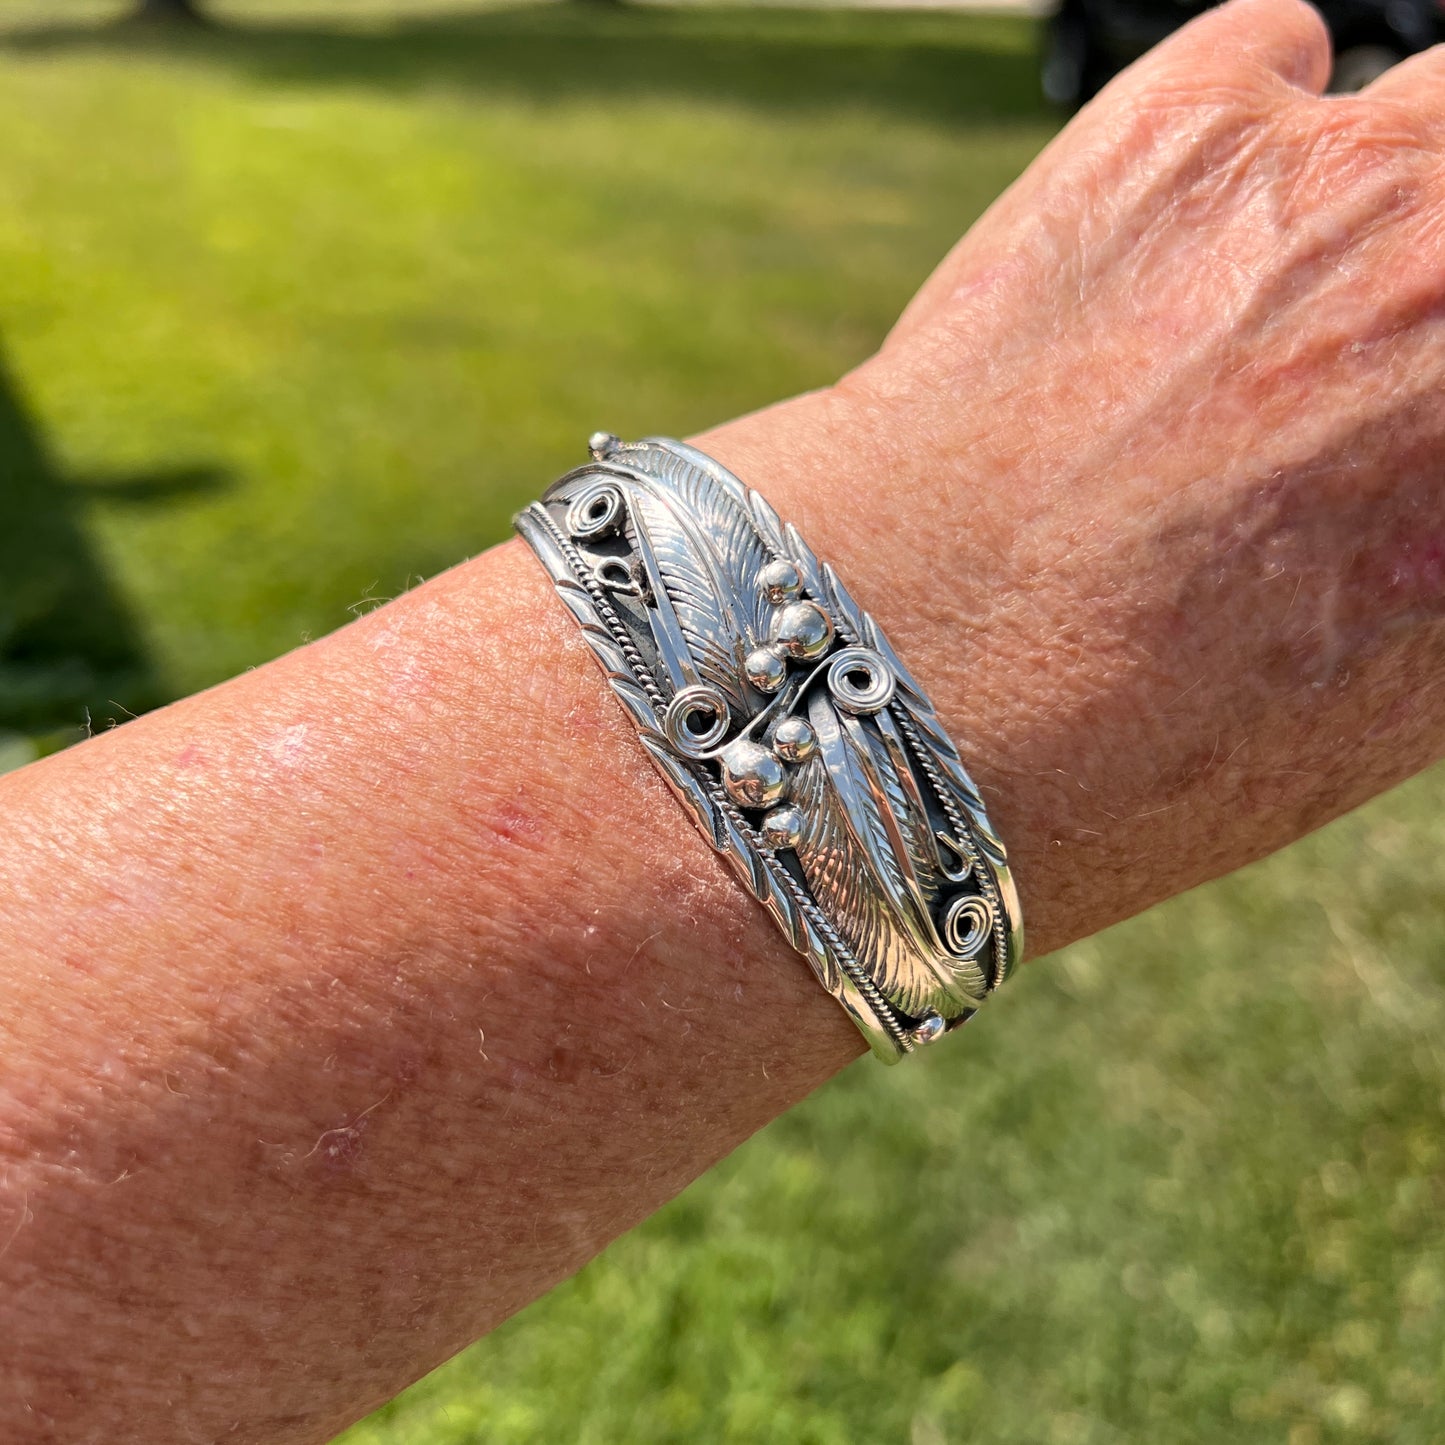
1284	37
1418	82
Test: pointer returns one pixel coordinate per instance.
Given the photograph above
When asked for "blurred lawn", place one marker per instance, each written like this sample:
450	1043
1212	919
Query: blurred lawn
293	315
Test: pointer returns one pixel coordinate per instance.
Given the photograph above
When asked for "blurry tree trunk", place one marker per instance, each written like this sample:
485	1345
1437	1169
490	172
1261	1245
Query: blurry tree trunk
167	10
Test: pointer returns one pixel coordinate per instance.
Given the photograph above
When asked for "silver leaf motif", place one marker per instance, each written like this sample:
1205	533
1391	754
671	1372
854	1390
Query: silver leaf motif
702	628
860	858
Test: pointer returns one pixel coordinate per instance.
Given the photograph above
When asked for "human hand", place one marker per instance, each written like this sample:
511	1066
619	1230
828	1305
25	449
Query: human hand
1158	447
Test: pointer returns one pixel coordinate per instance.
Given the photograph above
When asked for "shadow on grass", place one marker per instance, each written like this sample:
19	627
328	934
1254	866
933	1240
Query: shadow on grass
70	652
934	66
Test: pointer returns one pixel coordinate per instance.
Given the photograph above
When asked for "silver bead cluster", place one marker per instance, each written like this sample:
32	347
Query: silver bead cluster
755	776
800	630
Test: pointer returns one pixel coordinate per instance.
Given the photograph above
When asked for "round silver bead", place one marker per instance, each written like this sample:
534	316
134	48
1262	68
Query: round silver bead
766	669
929	1027
802	630
753	777
794	740
782	827
600	443
781	581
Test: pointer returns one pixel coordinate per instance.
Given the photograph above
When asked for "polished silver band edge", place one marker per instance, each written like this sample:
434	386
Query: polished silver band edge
673	569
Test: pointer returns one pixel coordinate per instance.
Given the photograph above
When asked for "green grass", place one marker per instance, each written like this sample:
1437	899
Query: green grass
297	312
300	314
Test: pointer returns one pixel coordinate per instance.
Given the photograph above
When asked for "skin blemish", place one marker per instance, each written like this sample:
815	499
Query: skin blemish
514	823
386	635
287	746
340	1146
1414	571
1391	588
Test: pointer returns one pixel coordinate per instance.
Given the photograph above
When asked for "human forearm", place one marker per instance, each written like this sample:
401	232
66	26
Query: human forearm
367	988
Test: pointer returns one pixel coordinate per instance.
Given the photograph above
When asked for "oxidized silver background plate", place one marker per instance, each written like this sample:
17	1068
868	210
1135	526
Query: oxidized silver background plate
791	731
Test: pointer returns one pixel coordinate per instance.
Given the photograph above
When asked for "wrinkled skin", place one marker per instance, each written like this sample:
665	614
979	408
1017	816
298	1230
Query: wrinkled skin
376	990
1167	431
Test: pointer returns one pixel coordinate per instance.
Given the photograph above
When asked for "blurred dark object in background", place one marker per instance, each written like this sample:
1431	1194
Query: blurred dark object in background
1087	42
168	10
68	645
72	655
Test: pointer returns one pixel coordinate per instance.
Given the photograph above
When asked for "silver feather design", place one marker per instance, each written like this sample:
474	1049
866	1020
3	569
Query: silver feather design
913	837
864	843
692	606
739	551
704	558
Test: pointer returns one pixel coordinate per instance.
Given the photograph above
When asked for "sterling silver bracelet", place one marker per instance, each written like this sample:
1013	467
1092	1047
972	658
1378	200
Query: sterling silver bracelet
790	730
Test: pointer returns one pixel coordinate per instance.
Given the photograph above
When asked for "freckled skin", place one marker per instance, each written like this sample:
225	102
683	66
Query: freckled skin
376	990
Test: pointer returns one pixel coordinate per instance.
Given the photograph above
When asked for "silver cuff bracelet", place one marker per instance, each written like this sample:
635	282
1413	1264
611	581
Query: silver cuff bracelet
788	727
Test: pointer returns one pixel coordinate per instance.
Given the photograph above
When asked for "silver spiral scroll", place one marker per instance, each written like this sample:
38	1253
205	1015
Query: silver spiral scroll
791	731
